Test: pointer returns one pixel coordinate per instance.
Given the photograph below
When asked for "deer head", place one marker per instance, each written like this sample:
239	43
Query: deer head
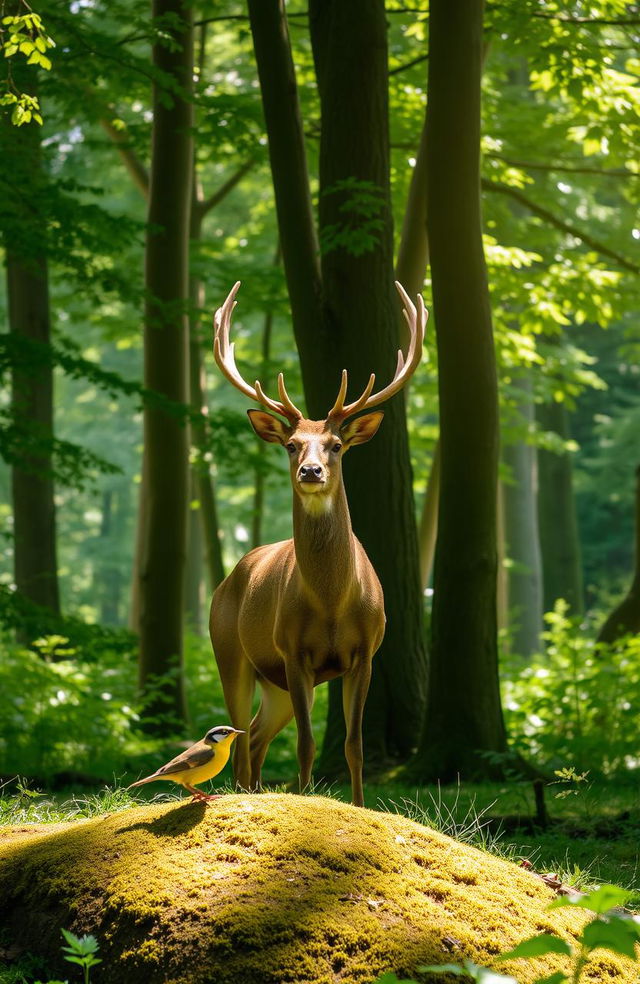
316	447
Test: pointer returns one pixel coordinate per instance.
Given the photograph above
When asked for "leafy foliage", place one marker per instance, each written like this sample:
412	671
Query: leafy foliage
23	33
562	705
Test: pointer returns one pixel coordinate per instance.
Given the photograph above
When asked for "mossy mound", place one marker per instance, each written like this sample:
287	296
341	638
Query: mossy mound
269	889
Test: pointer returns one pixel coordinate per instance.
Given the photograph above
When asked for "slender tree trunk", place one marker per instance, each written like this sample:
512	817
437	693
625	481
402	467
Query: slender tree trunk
559	538
625	618
203	490
522	537
34	512
362	325
287	155
162	563
464	716
411	268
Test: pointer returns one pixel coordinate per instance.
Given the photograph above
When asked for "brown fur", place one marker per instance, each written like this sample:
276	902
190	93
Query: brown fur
296	613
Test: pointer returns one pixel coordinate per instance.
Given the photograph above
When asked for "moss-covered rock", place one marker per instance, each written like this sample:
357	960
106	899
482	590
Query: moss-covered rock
269	889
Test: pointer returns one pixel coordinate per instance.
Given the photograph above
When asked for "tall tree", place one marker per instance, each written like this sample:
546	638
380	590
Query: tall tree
23	221
165	464
346	315
625	617
463	716
559	538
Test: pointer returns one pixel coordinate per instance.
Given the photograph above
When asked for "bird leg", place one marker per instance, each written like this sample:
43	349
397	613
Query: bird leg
197	794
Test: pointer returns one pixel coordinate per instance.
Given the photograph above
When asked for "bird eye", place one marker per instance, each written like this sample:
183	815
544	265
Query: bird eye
336	448
291	447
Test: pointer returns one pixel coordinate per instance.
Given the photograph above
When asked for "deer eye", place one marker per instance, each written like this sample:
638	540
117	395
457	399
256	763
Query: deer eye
290	447
336	448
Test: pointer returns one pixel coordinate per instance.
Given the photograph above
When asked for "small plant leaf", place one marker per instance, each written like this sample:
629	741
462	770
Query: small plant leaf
618	935
557	978
482	975
600	900
537	946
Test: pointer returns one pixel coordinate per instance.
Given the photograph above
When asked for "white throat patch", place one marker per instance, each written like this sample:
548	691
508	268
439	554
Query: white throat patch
317	503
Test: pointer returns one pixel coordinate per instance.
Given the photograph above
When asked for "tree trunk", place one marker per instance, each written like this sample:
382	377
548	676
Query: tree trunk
464	715
162	563
201	479
362	329
34	512
287	155
522	538
625	618
559	538
350	329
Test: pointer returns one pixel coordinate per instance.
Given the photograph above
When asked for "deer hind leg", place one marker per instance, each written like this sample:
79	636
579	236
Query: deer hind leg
355	686
274	712
300	681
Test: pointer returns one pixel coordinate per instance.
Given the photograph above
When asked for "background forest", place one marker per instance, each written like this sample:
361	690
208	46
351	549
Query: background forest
190	146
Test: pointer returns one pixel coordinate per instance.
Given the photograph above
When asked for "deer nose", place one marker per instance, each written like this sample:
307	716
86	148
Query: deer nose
310	473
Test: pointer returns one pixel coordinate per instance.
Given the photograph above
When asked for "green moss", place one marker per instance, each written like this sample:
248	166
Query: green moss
271	889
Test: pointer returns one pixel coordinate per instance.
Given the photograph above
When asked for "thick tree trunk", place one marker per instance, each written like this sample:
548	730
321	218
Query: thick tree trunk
349	330
362	328
34	513
162	562
464	716
559	538
522	538
625	618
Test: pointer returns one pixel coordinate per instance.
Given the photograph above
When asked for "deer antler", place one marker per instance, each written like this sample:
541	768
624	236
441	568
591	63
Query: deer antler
223	352
417	321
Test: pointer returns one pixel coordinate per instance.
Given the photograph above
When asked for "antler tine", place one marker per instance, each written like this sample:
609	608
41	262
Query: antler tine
405	366
224	354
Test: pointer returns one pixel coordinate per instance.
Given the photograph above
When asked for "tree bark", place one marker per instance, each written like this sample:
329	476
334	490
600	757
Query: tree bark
464	715
339	330
34	511
559	538
162	562
625	618
296	227
522	537
362	333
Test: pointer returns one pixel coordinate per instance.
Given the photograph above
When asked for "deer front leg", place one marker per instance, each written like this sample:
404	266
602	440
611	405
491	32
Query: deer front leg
300	683
355	686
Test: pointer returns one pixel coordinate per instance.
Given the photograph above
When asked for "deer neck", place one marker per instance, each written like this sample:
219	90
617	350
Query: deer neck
324	545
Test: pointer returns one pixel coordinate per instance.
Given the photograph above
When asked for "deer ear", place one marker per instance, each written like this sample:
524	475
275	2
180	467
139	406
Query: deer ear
361	429
269	428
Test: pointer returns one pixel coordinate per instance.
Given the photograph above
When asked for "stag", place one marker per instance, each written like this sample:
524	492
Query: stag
296	613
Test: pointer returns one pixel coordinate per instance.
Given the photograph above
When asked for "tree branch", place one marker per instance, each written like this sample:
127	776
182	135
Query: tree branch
409	64
135	167
620	172
553	220
204	205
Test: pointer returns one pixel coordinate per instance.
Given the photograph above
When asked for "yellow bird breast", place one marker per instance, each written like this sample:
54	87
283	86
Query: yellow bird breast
202	773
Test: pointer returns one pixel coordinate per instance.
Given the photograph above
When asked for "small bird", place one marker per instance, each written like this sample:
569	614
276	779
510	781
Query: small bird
202	761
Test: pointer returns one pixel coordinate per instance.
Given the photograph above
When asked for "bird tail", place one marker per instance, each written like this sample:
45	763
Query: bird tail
141	782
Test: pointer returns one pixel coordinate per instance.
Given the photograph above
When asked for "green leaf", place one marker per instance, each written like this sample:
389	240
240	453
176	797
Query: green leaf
390	978
601	900
618	935
556	978
482	975
537	946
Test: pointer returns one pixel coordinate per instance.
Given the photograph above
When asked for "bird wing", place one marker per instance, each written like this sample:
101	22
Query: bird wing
198	754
